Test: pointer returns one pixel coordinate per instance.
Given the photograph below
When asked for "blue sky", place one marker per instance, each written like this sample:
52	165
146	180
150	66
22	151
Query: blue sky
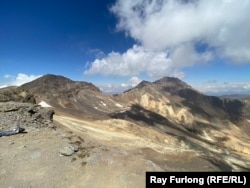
115	44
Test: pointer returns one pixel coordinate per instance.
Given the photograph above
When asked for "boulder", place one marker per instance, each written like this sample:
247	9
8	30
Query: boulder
69	150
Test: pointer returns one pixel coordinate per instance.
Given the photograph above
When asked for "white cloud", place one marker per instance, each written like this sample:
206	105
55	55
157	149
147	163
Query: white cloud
18	80
185	55
2	86
160	25
167	34
24	78
134	61
134	81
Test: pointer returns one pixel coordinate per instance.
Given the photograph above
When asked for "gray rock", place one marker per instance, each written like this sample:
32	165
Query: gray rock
67	151
14	131
11	143
25	114
74	147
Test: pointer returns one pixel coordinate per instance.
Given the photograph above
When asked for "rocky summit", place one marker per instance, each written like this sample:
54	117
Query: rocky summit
77	136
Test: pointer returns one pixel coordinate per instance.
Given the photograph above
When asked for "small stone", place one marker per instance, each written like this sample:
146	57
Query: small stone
74	147
11	143
67	151
22	147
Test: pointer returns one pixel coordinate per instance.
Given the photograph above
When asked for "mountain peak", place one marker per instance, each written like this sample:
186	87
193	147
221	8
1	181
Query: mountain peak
141	85
167	79
53	78
171	84
58	83
49	76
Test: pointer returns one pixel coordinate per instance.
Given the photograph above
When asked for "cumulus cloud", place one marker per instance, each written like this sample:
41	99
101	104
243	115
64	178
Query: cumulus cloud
161	25
134	81
168	33
185	55
18	79
135	61
2	85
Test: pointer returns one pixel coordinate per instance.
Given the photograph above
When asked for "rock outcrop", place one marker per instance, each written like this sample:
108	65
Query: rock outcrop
25	115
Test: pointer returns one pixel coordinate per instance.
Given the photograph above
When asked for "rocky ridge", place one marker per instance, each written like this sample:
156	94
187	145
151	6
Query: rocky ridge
164	125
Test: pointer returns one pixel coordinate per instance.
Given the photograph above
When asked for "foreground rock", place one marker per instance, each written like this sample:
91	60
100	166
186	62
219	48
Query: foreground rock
16	130
25	115
69	150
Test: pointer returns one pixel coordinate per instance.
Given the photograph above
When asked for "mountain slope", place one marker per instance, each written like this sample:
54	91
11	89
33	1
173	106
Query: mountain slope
178	101
176	108
73	97
169	97
169	105
164	125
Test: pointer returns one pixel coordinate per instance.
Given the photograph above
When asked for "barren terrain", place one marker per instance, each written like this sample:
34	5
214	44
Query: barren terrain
99	140
114	156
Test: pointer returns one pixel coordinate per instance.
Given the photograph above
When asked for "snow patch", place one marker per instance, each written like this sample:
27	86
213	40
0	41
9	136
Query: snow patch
248	120
103	103
44	104
205	135
118	105
96	108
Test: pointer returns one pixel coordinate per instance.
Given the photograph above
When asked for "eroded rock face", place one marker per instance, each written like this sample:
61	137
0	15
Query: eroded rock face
164	107
24	114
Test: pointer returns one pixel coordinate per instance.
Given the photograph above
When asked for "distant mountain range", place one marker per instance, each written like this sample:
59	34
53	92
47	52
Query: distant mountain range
236	96
168	105
169	97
